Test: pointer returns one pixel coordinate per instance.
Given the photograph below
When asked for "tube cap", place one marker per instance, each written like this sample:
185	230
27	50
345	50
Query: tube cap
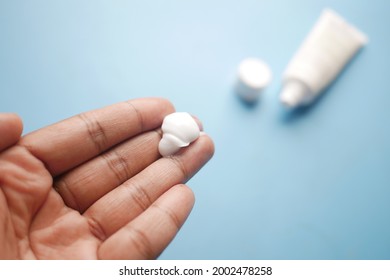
253	76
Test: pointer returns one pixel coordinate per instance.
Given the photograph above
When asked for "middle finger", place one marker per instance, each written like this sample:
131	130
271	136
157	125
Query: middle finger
129	200
82	186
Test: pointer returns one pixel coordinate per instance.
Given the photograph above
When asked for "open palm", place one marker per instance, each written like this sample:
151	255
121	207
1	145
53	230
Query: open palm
94	186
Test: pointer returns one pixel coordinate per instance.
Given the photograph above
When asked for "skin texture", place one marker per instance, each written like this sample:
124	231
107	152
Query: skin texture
94	186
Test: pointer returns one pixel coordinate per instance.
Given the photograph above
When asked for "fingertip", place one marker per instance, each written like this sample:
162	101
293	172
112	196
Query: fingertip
19	125
198	121
14	120
207	143
179	199
201	149
11	127
187	193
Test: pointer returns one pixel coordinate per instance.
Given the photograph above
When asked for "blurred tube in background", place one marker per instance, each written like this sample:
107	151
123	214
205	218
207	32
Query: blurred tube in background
327	49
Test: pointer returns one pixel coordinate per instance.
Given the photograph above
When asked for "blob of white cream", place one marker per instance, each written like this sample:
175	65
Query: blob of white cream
179	130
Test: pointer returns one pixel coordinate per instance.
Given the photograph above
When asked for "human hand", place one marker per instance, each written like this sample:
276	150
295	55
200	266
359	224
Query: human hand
94	186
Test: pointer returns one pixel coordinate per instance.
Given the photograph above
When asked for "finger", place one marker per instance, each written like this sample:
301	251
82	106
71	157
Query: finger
150	233
8	242
11	128
84	185
126	202
71	142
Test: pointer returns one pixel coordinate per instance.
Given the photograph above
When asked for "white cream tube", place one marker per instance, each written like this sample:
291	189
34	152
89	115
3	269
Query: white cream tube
329	46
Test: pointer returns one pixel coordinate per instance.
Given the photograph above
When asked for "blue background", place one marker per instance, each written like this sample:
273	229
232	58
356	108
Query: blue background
309	184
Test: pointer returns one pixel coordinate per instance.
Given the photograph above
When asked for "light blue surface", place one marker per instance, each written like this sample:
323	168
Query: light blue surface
310	185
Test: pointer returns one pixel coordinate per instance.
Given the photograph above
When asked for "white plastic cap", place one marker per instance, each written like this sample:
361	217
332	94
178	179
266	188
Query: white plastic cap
253	76
294	93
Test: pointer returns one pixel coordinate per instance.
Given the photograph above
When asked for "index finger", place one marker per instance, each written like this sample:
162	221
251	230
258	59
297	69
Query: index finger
71	142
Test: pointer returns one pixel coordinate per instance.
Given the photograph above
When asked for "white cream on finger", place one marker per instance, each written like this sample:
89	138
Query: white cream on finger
179	130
